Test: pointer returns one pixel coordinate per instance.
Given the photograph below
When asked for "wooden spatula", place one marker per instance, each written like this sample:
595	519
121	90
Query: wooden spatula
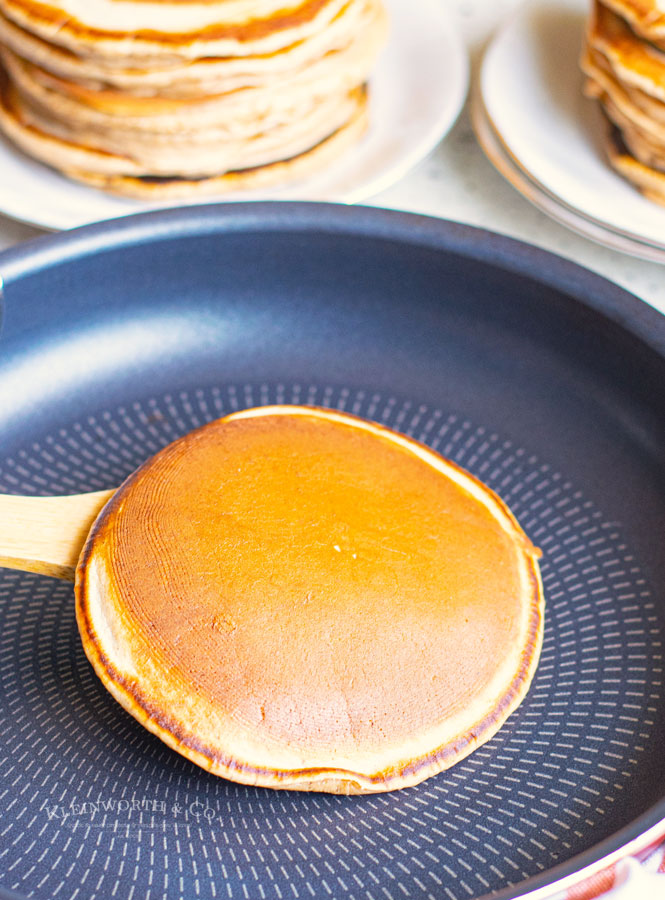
46	534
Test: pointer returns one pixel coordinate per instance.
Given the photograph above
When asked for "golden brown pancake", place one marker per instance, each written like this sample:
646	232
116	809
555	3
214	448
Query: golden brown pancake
141	32
633	61
358	25
198	153
180	188
123	175
626	74
636	108
297	598
240	112
646	17
649	180
640	143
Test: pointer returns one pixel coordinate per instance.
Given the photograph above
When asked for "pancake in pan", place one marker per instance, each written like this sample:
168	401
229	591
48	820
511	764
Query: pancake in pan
296	598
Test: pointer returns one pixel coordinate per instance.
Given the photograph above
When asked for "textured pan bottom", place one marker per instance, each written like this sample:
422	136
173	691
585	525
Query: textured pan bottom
93	805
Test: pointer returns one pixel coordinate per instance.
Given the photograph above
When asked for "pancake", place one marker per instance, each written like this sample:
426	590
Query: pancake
626	73
195	77
640	144
171	188
648	180
200	152
297	598
633	61
633	108
167	30
631	151
57	145
282	99
646	17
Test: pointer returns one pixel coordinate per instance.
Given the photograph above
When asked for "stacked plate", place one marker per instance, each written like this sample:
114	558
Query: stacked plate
548	140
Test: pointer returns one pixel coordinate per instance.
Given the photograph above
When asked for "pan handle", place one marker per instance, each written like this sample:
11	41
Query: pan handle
46	534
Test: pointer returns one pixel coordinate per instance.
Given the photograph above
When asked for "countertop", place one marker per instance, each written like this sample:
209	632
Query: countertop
457	182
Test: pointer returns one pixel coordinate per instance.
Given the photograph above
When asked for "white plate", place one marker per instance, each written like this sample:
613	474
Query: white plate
417	91
531	89
588	227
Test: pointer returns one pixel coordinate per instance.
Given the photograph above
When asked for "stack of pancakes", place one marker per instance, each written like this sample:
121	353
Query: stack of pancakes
624	61
164	98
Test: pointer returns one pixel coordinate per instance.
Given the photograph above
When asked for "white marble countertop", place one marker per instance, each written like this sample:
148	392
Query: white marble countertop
457	182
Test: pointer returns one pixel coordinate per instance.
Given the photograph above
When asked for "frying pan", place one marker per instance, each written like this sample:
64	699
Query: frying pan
542	379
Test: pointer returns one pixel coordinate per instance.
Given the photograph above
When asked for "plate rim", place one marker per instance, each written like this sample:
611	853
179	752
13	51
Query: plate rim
515	173
625	240
586	288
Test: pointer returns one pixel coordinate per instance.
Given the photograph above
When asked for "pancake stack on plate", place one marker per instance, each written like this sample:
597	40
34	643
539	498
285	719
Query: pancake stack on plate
168	98
624	61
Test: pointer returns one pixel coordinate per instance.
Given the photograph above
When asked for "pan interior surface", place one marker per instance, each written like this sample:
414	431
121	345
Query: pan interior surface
505	375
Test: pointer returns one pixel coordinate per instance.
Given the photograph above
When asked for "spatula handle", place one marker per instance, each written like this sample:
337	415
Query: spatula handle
46	534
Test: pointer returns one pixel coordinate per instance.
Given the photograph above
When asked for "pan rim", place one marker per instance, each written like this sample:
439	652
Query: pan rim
510	254
586	288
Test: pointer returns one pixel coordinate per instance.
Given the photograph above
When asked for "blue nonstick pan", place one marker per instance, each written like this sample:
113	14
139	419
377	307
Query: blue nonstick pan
544	380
